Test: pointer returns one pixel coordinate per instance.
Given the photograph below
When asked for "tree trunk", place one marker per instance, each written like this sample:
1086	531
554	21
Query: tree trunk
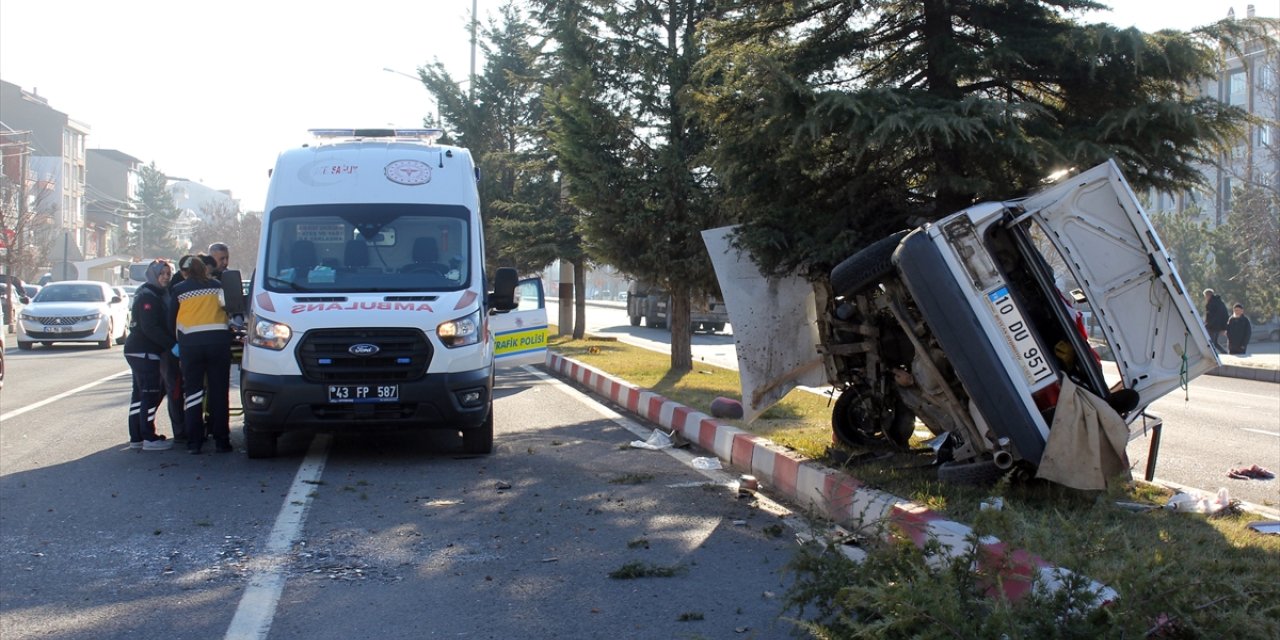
580	303
681	335
565	323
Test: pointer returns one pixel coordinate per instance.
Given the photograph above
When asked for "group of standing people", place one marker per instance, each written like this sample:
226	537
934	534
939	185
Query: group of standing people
1218	321
179	345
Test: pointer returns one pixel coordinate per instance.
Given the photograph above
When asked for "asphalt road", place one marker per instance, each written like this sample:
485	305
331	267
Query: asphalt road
1217	425
387	536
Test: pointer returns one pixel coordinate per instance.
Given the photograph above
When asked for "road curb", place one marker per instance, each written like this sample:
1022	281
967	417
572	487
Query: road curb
1260	374
834	494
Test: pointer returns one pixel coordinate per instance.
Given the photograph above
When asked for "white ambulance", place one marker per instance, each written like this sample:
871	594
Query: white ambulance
370	306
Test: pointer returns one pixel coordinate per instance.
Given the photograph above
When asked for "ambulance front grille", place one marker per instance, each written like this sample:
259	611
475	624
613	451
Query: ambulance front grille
364	355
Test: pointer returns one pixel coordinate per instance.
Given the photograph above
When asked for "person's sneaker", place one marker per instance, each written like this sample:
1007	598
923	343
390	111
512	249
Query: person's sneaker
157	445
224	446
135	445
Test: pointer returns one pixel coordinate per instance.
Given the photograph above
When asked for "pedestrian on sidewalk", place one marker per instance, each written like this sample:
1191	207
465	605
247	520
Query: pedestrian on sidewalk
204	350
1239	331
149	337
1215	318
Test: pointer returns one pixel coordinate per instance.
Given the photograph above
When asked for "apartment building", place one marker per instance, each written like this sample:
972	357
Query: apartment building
55	159
1249	79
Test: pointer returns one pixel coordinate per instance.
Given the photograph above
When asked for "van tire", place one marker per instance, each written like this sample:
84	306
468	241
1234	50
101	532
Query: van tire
260	444
866	267
635	321
479	441
860	419
980	473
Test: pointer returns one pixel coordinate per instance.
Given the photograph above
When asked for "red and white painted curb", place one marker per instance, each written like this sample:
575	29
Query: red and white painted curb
834	494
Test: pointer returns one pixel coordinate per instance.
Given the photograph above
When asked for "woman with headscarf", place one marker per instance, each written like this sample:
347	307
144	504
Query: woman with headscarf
204	351
149	338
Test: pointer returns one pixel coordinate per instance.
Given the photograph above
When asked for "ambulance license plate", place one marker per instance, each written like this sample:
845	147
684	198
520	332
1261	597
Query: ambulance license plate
361	393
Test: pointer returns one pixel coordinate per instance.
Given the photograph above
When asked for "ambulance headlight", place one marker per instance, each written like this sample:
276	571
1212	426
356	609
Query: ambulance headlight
460	332
269	335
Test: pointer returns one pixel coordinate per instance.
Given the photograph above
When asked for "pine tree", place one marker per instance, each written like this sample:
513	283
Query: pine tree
626	141
151	232
838	122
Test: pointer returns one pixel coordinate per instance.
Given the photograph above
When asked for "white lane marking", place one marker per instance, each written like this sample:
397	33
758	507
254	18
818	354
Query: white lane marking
1265	433
32	407
257	606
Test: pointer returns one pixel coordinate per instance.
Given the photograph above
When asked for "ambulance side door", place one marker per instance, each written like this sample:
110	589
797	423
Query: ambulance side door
520	335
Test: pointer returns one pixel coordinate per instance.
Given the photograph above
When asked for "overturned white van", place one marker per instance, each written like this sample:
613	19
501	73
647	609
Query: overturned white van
370	307
968	325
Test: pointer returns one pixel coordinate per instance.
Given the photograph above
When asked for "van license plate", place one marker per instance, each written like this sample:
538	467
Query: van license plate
1034	361
360	393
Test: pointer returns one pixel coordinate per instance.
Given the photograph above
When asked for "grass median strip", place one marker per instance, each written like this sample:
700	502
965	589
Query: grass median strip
1208	573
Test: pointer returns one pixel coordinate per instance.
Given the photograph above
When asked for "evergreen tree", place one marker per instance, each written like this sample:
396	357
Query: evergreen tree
625	139
151	233
840	121
528	223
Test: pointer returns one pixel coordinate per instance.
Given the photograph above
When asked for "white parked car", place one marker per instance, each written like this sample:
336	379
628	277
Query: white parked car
74	311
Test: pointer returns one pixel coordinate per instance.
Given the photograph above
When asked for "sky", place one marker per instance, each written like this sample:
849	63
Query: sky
212	92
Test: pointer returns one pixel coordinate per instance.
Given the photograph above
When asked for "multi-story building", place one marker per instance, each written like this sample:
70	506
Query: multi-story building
1248	78
111	200
55	161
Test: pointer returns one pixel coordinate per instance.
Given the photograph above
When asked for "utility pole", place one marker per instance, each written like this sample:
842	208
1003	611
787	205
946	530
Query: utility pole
471	83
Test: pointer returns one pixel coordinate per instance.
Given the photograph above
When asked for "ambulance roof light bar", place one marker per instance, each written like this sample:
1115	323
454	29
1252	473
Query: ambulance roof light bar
428	136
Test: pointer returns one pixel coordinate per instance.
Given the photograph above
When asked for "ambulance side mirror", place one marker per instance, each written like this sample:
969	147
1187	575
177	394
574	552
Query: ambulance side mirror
503	296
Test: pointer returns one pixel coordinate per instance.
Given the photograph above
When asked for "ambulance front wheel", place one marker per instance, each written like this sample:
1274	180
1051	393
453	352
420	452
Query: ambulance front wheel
259	443
480	439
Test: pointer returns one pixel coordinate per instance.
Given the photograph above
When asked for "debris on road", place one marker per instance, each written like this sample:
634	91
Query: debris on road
656	441
1251	473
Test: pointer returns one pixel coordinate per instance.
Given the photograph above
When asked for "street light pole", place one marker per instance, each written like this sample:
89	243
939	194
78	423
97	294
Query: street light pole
471	80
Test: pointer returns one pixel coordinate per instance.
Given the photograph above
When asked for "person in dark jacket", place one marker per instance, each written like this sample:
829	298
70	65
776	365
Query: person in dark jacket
1215	318
204	351
1239	330
149	337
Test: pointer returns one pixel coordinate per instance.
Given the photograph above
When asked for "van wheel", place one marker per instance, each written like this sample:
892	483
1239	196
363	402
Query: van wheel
866	267
635	321
980	473
862	419
25	346
479	440
260	444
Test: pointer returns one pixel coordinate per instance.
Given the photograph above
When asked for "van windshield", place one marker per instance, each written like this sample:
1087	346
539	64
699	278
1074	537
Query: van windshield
355	248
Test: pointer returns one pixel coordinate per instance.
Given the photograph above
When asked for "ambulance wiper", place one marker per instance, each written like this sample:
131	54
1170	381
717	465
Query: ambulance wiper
288	283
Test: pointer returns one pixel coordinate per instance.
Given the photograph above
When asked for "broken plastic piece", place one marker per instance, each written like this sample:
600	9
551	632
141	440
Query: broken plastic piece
1269	527
655	442
1199	503
707	464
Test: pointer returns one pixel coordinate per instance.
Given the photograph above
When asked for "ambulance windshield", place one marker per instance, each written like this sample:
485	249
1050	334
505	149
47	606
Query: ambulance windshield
355	248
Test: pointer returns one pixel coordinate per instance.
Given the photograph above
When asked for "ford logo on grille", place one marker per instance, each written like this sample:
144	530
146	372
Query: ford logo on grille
363	349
